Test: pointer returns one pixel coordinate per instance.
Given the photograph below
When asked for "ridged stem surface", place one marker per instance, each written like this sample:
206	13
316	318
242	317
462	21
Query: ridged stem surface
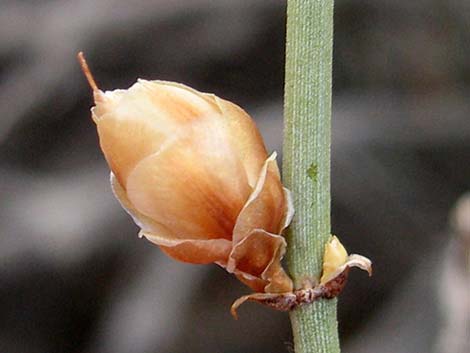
306	163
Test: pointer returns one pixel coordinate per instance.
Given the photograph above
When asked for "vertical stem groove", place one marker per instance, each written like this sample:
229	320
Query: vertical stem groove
306	163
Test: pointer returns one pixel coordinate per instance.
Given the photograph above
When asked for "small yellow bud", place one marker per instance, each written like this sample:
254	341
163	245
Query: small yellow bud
334	257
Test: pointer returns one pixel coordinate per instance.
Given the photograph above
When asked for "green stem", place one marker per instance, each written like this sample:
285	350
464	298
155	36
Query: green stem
306	164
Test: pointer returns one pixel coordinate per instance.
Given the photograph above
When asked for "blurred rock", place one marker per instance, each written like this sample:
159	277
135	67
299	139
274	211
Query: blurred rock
454	284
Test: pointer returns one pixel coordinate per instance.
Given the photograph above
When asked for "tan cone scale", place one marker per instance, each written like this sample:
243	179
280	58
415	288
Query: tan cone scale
193	172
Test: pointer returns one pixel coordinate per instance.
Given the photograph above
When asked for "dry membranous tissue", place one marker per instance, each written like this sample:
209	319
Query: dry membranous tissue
193	172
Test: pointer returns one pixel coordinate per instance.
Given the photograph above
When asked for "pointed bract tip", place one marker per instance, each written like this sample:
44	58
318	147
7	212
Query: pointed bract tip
87	72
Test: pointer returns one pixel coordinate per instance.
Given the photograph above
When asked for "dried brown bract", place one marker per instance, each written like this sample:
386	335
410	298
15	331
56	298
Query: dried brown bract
336	266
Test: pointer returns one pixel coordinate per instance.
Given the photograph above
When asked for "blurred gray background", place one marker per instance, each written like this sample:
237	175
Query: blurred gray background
74	277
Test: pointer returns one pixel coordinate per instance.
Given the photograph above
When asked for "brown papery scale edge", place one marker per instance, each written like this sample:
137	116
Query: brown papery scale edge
328	290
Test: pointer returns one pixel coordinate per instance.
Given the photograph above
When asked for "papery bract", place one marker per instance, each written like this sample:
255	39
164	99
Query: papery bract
336	266
193	172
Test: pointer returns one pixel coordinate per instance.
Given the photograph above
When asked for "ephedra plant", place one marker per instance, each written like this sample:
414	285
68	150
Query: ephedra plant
193	172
